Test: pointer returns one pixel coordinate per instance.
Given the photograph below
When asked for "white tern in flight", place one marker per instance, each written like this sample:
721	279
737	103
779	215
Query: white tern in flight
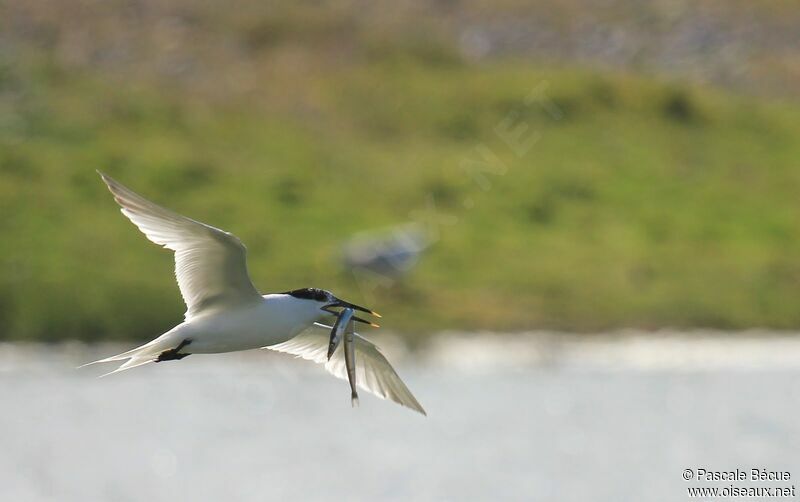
225	312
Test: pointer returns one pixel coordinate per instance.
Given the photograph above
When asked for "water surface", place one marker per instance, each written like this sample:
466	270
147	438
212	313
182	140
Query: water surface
617	420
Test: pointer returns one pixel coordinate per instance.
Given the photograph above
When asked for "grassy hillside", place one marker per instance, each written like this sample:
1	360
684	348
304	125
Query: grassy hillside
639	204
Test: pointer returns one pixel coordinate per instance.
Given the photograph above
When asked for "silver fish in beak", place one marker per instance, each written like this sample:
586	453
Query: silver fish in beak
343	328
344	318
350	362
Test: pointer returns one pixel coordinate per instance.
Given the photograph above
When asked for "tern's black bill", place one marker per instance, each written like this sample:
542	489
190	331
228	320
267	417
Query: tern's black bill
344	304
355	318
358	319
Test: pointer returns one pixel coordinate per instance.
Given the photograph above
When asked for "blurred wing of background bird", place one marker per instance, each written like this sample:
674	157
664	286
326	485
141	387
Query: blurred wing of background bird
390	253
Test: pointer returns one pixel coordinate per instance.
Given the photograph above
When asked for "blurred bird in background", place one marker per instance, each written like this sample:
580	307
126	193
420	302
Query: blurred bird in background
391	253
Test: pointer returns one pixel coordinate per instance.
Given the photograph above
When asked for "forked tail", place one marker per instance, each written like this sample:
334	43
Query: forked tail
144	354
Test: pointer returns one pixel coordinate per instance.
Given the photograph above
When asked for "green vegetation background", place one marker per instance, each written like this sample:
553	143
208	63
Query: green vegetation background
641	204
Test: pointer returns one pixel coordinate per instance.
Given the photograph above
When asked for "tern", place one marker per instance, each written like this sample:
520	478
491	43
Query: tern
225	312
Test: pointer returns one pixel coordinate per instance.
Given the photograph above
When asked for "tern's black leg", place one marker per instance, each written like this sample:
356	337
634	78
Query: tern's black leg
172	354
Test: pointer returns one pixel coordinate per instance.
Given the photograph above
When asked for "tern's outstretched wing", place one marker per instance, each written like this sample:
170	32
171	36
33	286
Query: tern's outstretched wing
374	374
210	264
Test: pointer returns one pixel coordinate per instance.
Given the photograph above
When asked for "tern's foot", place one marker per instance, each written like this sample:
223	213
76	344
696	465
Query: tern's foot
172	354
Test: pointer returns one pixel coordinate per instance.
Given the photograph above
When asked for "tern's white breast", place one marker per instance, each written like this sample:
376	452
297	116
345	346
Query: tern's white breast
276	319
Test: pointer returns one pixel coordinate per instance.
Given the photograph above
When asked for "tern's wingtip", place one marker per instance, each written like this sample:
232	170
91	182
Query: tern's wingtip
417	408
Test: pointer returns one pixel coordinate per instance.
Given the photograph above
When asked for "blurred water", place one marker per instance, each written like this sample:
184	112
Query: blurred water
259	426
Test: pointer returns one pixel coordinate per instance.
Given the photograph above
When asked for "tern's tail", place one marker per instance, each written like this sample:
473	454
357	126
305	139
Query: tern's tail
354	399
139	356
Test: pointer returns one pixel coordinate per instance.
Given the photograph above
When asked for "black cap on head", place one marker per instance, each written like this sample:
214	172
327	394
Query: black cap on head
320	295
316	294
